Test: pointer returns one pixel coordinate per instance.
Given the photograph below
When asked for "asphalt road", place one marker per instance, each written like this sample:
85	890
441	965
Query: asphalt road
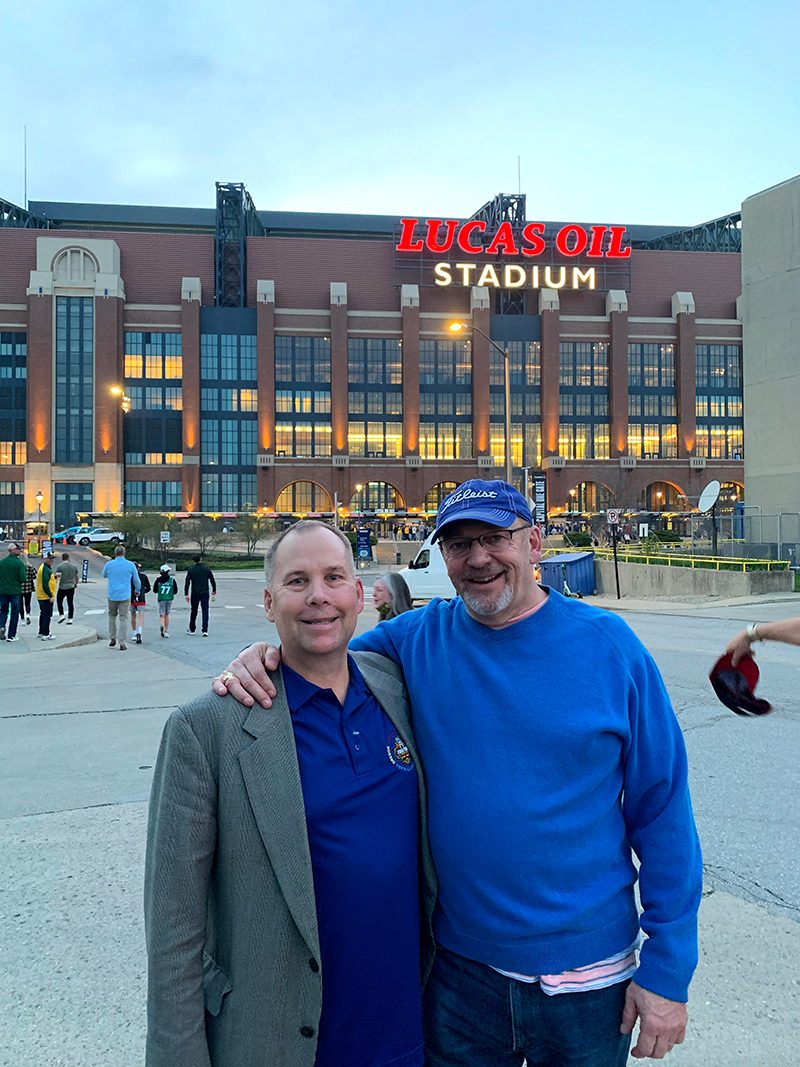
79	730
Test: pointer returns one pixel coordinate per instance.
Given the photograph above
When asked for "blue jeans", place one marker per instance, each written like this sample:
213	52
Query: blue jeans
475	1017
12	601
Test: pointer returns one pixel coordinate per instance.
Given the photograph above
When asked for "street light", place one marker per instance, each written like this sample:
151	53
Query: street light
456	327
573	493
39	499
125	406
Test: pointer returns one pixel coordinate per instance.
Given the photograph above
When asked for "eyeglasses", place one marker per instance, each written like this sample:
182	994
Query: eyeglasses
496	541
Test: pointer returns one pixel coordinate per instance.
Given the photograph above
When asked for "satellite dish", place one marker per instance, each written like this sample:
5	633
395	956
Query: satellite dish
709	496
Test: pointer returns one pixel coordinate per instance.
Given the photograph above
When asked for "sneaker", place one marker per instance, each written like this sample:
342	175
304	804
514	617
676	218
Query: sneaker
61	618
165	634
2	633
205	633
123	647
112	642
15	638
48	637
189	630
69	622
138	639
27	620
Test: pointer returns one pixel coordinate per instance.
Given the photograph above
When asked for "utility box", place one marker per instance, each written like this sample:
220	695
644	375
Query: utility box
578	569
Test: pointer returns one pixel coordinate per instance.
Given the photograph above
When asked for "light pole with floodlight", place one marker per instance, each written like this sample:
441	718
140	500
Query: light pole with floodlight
39	499
125	406
456	327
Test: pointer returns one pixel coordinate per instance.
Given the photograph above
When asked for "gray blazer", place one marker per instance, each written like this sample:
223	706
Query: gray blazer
234	967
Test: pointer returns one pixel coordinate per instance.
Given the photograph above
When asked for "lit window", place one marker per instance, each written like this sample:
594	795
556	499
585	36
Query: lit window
229	399
175	458
283	401
173	367
153	366
248	400
133	366
173	398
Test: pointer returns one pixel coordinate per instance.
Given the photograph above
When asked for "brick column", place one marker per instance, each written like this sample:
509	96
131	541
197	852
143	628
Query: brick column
39	406
550	312
191	299
109	444
265	330
339	368
409	306
685	373
617	311
481	435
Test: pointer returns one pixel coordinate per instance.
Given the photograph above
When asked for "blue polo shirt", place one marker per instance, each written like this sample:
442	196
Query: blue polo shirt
360	792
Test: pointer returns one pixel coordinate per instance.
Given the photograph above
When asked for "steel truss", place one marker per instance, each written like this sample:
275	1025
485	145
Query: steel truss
506	207
719	235
11	215
236	220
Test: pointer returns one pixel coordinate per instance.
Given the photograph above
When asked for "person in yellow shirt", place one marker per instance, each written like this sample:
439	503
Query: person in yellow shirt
46	583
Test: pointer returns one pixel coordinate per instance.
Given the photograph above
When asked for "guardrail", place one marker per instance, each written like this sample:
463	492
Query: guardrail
671	559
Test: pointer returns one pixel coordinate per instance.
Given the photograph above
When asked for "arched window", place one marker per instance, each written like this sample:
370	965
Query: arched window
75	267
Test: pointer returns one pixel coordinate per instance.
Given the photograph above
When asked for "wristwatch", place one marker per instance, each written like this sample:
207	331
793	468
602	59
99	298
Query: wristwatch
752	634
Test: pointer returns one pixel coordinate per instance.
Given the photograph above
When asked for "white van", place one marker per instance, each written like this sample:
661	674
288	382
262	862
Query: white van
426	574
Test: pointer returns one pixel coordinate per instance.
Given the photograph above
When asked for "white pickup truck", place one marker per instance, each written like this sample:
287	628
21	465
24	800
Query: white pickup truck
426	574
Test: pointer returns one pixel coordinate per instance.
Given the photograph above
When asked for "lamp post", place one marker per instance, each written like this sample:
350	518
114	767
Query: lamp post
125	406
39	499
456	327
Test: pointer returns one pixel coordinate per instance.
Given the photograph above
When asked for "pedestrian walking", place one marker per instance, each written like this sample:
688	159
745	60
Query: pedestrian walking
195	589
46	584
165	589
12	576
27	590
120	573
67	585
390	596
138	604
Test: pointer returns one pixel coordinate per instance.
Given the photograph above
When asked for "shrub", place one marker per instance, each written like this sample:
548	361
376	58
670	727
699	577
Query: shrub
578	539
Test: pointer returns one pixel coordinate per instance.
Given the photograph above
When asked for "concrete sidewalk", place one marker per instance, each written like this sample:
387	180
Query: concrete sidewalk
64	637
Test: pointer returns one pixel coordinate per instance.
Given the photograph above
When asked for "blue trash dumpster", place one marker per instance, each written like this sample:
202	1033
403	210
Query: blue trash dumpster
579	572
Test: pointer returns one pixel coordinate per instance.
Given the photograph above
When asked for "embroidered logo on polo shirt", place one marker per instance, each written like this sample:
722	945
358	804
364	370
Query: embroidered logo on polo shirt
398	753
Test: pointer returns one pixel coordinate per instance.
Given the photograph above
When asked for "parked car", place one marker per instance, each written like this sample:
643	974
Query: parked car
100	533
69	536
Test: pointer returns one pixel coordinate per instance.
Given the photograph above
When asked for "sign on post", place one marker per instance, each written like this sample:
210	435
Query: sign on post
612	516
85	571
363	547
47	547
539	498
165	537
644	530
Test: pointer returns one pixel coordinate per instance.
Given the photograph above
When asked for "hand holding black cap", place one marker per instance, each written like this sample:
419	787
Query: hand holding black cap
734	686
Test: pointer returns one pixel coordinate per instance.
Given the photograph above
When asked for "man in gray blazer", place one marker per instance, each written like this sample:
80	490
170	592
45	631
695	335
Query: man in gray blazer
289	887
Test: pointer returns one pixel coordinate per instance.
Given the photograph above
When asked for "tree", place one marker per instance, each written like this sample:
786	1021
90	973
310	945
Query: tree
251	528
204	532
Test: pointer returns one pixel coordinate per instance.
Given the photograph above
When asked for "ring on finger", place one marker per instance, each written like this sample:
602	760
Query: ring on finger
226	676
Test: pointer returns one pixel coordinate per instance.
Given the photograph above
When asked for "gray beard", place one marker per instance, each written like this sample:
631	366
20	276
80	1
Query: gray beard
488	605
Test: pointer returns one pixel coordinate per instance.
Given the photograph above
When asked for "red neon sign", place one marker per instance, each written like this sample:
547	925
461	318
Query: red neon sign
571	240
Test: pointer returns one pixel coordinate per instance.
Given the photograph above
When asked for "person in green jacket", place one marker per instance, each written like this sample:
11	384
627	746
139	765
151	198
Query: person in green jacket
12	575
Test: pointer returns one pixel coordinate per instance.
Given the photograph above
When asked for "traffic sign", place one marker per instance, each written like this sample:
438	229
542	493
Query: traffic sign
612	516
165	537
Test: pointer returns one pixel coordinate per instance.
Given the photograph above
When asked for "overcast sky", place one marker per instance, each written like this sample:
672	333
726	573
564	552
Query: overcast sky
621	112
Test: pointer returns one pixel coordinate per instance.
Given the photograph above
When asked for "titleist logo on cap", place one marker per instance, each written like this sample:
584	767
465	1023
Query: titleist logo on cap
466	494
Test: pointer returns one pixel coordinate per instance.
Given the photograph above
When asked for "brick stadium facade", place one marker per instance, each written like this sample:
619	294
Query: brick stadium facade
626	396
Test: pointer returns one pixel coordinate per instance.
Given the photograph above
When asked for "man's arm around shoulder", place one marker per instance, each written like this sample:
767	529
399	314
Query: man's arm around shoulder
181	840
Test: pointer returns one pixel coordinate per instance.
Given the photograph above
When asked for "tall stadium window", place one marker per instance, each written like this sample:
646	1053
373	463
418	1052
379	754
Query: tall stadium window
719	402
583	400
74	384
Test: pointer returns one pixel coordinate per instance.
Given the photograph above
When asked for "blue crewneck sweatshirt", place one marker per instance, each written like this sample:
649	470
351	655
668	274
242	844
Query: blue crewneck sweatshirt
551	754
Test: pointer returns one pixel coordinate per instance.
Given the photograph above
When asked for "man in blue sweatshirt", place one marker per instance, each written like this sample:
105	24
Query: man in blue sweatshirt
552	756
120	572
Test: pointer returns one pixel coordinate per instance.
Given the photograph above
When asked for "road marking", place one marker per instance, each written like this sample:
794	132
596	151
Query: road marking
95	611
234	607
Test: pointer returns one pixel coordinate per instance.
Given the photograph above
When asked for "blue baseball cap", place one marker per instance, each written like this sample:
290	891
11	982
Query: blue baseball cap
497	503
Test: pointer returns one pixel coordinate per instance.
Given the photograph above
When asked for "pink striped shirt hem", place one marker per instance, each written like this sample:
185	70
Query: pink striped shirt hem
580	980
